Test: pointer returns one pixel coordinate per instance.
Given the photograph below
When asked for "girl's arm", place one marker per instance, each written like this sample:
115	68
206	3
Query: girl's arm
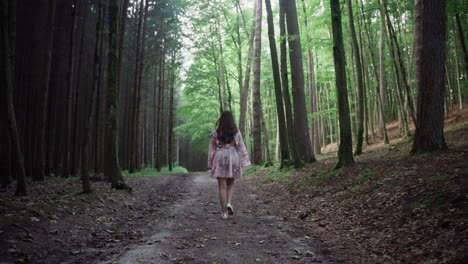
211	149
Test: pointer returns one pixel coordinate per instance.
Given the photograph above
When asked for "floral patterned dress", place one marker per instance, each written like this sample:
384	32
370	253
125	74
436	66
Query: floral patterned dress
227	160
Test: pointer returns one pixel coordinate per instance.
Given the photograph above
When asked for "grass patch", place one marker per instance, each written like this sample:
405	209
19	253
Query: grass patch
366	176
456	128
325	176
282	175
318	178
406	139
152	172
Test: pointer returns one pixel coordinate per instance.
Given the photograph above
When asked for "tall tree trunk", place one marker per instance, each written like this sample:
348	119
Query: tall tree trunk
160	110
429	35
124	138
39	170
66	162
345	150
7	94
140	78
399	60
285	84
86	184
123	21
283	137
221	68
245	89
360	83
458	75
111	166
383	80
301	130
315	137
134	166
170	137
238	42
461	38
256	103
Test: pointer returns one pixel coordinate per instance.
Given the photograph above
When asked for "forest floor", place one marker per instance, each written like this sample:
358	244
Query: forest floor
168	219
390	207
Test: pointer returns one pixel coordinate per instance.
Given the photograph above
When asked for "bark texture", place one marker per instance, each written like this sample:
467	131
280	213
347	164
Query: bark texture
256	102
345	150
430	75
301	129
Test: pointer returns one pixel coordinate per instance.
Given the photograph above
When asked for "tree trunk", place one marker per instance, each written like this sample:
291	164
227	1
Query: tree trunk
256	103
86	184
111	167
245	90
283	137
134	166
123	20
430	75
7	94
398	58
159	114
285	84
297	75
345	150
383	80
461	38
315	136
170	137
458	75
360	83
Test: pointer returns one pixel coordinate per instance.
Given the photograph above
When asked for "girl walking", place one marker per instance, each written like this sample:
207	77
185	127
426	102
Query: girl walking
227	156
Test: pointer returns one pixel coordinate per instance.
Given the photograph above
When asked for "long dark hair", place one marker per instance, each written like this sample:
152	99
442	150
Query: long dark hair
226	128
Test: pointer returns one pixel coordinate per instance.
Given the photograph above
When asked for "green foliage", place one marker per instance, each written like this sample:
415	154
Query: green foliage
366	176
151	172
318	114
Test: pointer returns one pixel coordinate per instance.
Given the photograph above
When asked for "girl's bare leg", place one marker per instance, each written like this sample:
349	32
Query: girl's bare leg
230	187
222	188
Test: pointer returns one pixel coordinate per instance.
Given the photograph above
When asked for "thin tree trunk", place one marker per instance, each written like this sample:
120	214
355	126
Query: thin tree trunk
86	184
383	80
111	167
245	90
315	137
345	150
7	93
458	75
399	59
283	137
360	83
123	21
461	38
39	170
285	84
171	115
256	102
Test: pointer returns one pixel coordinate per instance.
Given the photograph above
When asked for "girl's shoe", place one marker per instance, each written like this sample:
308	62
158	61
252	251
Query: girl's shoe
230	209
224	216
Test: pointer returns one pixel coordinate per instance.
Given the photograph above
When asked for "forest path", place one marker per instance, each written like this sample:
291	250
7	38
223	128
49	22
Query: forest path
193	232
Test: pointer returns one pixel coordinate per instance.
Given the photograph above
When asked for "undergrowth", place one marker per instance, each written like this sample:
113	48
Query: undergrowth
152	172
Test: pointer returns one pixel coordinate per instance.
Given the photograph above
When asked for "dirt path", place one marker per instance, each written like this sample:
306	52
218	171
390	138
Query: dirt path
193	232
